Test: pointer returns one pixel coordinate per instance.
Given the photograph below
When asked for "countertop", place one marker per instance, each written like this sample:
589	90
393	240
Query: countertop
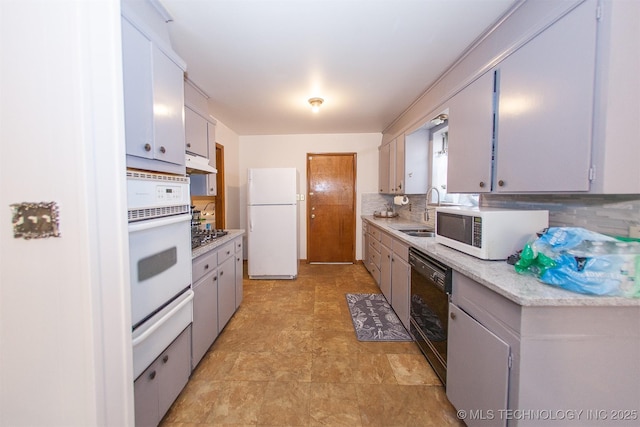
216	243
498	276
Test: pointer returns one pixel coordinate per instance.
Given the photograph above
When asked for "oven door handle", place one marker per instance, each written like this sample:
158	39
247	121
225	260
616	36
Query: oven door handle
160	222
143	336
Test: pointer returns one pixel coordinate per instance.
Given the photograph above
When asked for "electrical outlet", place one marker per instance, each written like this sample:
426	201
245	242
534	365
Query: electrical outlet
634	231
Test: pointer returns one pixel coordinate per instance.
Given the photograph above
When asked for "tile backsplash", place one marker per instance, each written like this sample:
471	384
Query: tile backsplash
413	211
606	214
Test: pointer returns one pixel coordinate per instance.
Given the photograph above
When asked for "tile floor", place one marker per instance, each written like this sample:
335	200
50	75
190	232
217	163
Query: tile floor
289	357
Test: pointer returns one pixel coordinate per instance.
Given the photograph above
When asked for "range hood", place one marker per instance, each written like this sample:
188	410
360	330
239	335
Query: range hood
198	165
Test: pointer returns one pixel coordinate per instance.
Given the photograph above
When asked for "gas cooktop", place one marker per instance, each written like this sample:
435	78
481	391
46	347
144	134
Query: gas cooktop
203	237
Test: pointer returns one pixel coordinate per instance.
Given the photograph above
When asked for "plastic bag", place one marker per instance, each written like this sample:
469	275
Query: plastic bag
583	261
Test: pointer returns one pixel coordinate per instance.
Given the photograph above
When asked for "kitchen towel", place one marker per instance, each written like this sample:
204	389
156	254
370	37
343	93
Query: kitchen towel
400	200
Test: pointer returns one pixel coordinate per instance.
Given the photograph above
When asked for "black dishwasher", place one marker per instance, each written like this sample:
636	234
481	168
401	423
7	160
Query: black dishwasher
430	293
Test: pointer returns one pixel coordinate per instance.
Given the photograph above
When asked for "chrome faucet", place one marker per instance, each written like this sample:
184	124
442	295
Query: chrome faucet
426	208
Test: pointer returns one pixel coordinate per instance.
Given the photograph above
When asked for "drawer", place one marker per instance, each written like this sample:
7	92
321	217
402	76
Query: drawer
203	264
375	258
225	252
401	249
375	232
492	310
238	244
386	239
374	244
375	272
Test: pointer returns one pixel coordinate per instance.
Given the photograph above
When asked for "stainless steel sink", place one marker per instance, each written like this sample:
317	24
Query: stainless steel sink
419	232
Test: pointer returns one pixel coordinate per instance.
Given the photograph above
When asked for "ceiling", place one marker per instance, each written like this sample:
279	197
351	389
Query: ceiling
261	60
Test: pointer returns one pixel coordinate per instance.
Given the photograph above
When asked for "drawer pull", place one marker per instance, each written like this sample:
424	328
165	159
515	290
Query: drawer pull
206	266
165	359
152	375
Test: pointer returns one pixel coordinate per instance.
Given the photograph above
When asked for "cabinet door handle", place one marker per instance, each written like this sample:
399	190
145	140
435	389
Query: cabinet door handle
165	359
152	375
481	184
222	272
453	316
206	266
501	183
189	144
163	150
147	147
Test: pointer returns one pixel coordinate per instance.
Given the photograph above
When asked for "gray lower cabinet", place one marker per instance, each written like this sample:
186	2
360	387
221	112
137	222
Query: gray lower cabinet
239	271
217	277
400	281
159	385
477	370
226	291
548	359
385	271
205	315
373	262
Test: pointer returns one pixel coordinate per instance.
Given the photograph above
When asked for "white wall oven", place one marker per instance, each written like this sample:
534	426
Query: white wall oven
160	262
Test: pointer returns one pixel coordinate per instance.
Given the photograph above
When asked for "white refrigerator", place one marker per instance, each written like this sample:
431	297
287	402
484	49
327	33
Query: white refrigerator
272	223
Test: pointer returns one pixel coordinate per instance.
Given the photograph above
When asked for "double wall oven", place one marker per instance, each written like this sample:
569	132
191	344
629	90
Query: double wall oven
160	262
430	292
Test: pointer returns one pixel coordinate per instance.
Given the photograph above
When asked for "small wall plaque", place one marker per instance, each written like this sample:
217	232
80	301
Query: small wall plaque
35	220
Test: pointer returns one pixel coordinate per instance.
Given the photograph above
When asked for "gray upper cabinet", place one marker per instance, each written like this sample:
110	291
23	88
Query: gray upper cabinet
153	104
545	109
413	177
385	160
562	113
542	96
404	164
196	140
471	137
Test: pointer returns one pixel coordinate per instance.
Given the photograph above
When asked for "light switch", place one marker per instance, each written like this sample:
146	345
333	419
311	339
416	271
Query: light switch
35	220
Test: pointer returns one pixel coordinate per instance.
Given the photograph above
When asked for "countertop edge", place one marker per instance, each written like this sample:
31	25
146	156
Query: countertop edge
215	244
498	276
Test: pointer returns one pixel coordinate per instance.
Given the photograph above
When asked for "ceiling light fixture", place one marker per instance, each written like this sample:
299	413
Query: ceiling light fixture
315	104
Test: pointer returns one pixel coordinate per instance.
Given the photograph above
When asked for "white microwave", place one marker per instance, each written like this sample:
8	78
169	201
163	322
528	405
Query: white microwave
488	233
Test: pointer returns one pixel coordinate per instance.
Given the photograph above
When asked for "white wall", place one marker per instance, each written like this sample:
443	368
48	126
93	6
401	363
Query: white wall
65	340
260	151
231	142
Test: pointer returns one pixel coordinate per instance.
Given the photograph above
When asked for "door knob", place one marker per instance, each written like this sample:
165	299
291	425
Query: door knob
313	216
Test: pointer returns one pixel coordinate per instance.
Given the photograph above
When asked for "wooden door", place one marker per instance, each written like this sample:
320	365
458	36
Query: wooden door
331	207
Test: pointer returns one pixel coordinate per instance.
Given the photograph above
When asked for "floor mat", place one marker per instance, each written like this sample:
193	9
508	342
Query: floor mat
374	319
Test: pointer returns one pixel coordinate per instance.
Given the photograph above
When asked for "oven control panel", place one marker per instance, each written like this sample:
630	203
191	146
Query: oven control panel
147	190
168	193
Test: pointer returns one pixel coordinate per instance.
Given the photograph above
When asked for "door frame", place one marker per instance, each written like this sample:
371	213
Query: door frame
221	220
354	157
